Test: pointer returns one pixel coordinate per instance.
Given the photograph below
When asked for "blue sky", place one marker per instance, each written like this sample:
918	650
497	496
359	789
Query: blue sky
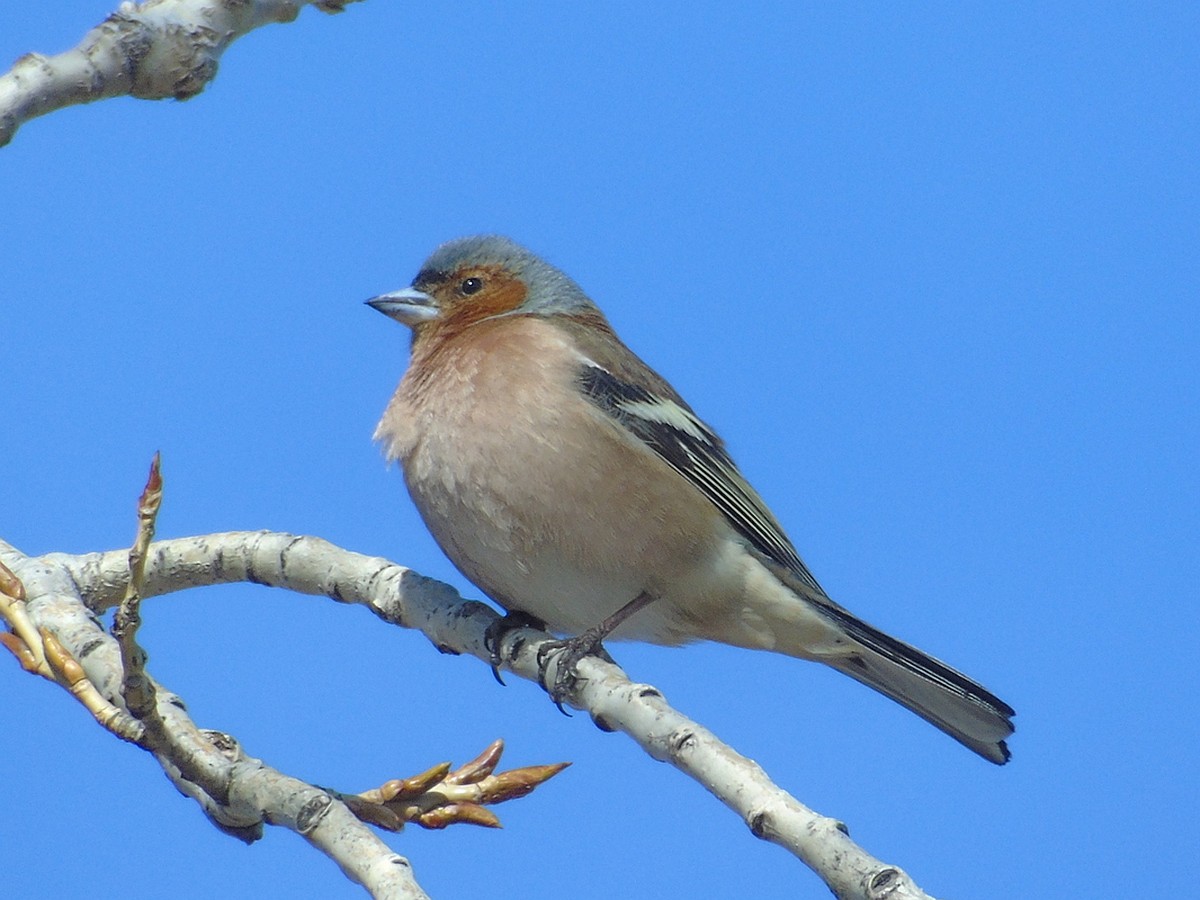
931	271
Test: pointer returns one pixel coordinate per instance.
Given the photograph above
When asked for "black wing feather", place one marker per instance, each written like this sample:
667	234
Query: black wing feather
695	451
691	448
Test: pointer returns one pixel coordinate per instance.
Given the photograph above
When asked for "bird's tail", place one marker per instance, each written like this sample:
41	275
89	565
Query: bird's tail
962	708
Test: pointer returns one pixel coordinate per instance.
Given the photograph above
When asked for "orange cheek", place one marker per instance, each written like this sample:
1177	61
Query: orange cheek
496	299
460	313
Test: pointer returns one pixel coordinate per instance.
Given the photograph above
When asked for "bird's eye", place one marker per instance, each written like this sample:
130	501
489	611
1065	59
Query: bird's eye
470	286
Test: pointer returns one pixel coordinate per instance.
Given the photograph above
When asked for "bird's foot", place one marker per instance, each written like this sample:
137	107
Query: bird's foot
567	654
499	628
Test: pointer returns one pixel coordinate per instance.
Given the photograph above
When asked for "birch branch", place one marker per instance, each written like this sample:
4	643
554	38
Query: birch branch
237	792
154	50
403	597
55	634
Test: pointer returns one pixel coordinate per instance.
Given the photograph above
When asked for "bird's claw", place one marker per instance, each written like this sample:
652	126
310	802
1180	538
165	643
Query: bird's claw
498	628
568	652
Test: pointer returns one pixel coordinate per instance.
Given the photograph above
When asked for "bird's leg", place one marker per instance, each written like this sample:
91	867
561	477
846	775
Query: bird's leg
572	650
512	620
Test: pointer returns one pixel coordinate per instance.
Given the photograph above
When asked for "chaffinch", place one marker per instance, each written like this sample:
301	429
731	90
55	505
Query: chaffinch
571	483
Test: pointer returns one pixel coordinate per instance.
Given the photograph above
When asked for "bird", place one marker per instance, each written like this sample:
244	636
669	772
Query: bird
578	490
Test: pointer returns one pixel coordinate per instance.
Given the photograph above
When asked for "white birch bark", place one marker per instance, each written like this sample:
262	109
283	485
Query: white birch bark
401	596
154	50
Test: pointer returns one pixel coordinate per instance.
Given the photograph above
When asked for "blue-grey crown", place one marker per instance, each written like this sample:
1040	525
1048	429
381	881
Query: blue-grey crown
550	289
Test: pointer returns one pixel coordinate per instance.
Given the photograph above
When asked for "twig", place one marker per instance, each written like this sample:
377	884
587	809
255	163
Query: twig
136	688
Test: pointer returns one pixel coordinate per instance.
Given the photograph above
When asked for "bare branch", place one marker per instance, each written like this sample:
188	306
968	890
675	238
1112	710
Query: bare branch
402	596
237	792
154	50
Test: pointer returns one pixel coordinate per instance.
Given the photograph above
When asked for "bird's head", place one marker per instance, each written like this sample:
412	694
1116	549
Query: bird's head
474	279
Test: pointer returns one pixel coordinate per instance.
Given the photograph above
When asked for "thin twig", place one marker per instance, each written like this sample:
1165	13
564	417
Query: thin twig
136	688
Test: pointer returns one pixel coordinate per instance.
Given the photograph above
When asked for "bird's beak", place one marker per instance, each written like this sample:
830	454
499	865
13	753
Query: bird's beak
409	306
